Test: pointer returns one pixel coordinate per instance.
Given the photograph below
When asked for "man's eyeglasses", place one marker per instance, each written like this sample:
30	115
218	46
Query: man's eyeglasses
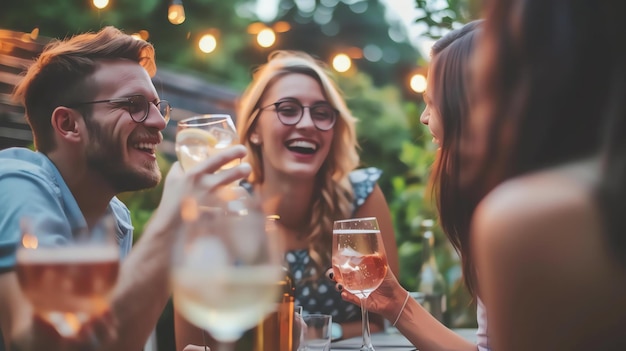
138	106
290	112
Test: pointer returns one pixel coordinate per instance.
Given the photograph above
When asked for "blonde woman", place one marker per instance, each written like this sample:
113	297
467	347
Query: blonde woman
302	146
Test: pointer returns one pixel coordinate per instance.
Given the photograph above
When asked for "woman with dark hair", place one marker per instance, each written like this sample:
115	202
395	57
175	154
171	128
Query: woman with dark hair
549	238
447	114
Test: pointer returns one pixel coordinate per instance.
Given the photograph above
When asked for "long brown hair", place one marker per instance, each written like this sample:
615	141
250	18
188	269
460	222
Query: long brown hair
551	82
450	74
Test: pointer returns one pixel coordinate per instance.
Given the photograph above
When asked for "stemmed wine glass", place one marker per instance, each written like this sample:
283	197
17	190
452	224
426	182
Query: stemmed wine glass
68	278
199	137
225	266
360	262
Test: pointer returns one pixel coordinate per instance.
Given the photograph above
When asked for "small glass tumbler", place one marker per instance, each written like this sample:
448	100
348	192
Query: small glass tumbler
316	335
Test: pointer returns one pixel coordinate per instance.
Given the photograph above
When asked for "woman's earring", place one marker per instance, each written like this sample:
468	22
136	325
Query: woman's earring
254	139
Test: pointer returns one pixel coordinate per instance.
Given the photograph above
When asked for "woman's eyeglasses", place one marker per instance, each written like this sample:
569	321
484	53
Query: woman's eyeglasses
137	106
290	112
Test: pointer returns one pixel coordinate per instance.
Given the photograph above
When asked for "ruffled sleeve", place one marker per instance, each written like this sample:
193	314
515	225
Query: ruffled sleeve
363	182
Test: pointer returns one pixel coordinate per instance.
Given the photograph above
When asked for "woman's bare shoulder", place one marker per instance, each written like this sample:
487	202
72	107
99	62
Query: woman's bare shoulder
547	207
544	259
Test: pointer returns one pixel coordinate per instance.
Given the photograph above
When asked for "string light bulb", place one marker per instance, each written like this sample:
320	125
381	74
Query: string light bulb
207	43
176	12
418	83
342	63
100	4
266	38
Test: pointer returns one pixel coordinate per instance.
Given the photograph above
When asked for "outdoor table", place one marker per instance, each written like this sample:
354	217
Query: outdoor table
392	342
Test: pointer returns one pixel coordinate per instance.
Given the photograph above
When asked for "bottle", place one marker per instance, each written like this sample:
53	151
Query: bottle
275	332
432	285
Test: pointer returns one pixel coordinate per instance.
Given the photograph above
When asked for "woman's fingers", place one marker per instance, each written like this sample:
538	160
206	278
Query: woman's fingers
347	296
330	274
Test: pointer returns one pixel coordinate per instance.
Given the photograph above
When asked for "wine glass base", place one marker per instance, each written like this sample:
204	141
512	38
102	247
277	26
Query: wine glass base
367	348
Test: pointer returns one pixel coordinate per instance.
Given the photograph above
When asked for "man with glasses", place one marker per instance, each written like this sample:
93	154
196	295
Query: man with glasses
96	120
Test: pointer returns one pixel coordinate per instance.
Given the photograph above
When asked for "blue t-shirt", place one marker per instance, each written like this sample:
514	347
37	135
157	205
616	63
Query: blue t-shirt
32	188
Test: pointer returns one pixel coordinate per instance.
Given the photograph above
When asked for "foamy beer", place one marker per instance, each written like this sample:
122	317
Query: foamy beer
71	282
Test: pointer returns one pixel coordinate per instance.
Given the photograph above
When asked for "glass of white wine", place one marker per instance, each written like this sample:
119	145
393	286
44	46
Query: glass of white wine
225	266
360	262
199	137
68	278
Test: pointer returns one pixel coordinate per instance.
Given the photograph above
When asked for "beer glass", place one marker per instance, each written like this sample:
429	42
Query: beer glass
359	262
68	278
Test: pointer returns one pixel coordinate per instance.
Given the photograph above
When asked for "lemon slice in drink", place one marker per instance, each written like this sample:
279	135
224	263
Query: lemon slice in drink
196	135
193	145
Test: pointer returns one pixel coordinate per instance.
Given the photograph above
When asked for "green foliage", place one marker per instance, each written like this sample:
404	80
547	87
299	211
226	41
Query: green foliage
438	15
410	205
382	126
347	25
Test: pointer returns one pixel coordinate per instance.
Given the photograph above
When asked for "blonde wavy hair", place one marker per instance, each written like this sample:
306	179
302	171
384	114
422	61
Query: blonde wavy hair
334	196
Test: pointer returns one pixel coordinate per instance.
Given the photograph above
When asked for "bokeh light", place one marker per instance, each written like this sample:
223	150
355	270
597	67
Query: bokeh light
176	12
418	83
207	43
342	63
100	4
266	37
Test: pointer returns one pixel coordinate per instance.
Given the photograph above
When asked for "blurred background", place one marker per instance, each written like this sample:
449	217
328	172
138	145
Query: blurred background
206	51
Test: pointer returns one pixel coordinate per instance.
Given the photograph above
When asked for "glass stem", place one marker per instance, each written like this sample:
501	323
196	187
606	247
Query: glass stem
226	346
367	340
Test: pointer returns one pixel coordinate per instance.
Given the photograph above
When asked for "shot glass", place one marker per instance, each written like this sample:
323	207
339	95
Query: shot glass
317	332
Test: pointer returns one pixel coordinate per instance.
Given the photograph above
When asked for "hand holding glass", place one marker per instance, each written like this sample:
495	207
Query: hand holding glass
360	262
68	281
199	137
225	267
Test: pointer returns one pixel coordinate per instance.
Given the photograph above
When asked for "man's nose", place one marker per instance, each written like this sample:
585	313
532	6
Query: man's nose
155	119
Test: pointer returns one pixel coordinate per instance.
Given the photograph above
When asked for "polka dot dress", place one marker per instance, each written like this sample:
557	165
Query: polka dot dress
320	296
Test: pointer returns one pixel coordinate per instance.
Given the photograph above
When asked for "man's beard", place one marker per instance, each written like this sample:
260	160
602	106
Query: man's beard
104	156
